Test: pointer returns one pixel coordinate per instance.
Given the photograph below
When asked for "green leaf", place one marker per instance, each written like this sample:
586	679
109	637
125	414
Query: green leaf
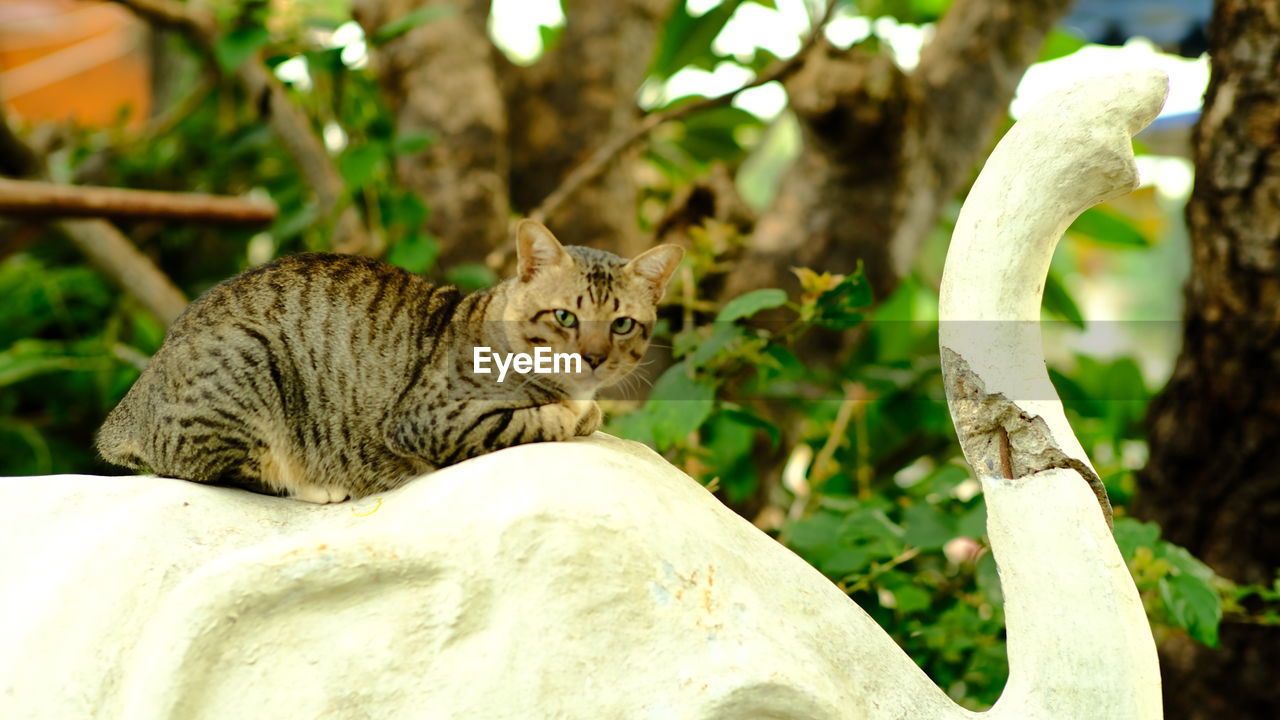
761	60
416	253
1059	44
973	523
549	36
412	143
290	224
686	40
359	164
1059	302
911	599
1108	227
869	525
728	439
927	527
728	443
743	417
814	532
471	276
1184	561
712	136
839	308
782	366
1131	534
636	426
233	48
751	303
685	342
28	358
410	20
1193	605
1124	381
721	335
845	561
678	404
987	577
404	210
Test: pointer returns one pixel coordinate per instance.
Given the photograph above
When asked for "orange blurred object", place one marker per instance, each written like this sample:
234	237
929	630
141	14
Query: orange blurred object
73	60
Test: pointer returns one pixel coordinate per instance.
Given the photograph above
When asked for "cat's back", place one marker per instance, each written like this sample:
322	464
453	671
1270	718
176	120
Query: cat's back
314	314
297	344
308	287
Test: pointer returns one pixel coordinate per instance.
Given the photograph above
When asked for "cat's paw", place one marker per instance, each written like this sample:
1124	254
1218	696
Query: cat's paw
558	421
320	496
590	418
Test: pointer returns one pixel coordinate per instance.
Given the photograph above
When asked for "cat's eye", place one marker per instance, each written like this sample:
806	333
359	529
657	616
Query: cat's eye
566	318
623	325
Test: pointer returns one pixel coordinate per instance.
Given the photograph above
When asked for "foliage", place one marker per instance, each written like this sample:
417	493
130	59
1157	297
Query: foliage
849	457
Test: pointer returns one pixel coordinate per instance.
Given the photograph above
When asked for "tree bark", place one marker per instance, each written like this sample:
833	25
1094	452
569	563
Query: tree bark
506	135
1213	480
574	99
842	199
30	198
884	152
441	77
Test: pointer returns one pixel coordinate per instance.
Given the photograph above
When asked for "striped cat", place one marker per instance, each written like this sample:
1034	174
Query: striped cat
327	376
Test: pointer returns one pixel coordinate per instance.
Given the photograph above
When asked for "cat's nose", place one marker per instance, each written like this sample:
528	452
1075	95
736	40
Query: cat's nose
595	360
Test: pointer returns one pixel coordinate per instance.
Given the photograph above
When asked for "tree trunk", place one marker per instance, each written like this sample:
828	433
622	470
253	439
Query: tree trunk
507	135
884	152
578	95
440	77
1213	480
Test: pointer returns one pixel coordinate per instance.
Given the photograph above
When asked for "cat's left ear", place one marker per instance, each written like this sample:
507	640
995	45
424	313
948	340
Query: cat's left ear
655	268
537	250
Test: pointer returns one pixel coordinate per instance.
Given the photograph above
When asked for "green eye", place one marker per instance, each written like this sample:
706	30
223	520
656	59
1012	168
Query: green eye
566	318
623	325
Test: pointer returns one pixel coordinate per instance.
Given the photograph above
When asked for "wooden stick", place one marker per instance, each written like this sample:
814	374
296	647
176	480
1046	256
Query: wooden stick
28	198
106	248
117	258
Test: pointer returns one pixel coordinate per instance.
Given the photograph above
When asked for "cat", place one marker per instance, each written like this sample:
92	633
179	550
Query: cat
326	377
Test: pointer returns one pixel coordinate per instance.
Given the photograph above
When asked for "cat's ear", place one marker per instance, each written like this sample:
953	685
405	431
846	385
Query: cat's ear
537	250
655	267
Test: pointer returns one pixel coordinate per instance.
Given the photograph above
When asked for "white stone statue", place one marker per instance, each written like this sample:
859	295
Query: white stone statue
592	579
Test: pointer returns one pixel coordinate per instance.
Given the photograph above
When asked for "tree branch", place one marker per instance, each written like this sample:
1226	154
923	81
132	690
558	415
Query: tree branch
28	198
290	124
596	163
116	257
109	251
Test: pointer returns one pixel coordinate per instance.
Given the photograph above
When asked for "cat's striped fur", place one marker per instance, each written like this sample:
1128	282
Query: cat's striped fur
327	376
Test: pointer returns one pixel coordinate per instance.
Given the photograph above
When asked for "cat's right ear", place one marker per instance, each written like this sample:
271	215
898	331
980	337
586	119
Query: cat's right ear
537	250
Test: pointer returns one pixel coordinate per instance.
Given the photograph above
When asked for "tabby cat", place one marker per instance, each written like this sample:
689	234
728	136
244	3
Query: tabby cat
326	376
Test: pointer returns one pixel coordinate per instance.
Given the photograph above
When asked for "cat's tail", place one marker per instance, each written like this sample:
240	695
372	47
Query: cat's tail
117	441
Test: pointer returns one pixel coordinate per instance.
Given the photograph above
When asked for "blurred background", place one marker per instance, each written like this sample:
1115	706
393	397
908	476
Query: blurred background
811	156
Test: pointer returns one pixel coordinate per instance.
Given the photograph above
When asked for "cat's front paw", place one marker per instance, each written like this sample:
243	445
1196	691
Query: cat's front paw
569	418
320	495
590	418
558	421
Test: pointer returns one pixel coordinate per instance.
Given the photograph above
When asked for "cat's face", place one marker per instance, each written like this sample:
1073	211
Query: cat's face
585	301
